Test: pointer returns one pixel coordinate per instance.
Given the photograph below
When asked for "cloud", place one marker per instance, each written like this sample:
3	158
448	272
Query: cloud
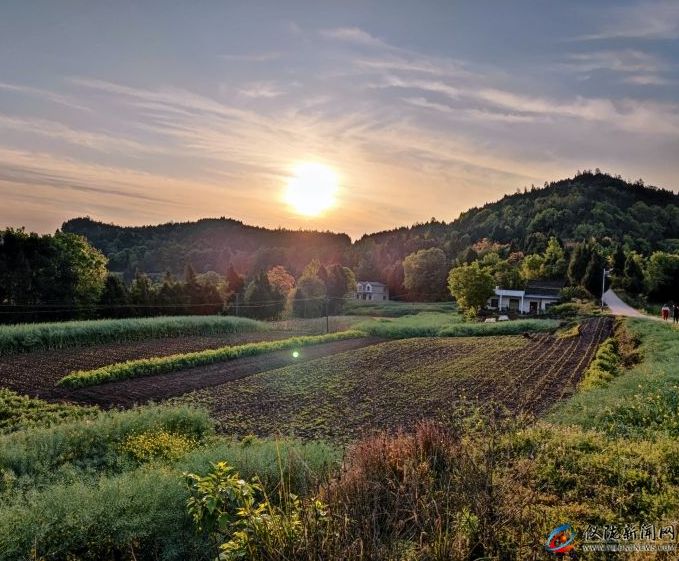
354	35
252	57
97	141
651	20
265	90
47	95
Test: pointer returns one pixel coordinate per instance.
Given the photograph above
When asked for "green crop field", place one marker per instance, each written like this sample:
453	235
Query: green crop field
58	335
393	384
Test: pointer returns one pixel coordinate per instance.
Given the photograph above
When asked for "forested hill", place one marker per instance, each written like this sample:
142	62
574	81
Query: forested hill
208	245
589	205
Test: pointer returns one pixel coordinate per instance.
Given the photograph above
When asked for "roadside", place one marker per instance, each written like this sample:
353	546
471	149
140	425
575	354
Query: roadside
620	308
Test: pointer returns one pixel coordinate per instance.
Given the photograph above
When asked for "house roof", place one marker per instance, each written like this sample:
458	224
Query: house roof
549	288
373	283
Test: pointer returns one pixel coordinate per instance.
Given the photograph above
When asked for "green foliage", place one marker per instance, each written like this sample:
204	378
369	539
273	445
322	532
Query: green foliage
633	274
309	297
158	444
554	265
662	276
425	274
471	286
577	266
515	327
102	444
262	300
604	367
59	335
39	271
172	363
18	412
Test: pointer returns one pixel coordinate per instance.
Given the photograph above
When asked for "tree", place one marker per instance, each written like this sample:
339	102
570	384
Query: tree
262	301
235	282
141	295
532	266
594	274
308	298
582	253
341	281
425	273
114	298
633	274
662	277
554	263
471	286
280	279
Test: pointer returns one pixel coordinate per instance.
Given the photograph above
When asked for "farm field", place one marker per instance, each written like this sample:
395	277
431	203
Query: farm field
395	383
36	373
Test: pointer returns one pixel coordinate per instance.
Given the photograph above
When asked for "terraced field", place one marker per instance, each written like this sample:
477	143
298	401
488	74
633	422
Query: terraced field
396	383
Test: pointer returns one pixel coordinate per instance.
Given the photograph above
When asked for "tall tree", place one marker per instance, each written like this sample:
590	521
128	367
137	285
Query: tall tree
425	274
471	286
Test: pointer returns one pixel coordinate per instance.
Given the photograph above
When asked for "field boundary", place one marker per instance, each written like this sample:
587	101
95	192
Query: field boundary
173	363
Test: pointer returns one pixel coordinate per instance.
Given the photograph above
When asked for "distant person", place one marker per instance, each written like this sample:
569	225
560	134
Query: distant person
665	312
675	313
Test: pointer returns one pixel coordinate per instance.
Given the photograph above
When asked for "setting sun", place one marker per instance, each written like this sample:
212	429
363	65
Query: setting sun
312	189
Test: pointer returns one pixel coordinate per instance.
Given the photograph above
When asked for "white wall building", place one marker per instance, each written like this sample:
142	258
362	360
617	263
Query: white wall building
371	291
535	299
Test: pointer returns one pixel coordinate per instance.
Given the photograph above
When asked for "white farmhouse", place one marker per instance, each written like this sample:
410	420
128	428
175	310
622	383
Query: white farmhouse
370	291
535	299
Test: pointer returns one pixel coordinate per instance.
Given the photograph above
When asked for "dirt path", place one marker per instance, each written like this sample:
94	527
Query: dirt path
127	393
620	308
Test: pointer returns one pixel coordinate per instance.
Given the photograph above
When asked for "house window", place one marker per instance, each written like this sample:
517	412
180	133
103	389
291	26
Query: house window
384	297
494	302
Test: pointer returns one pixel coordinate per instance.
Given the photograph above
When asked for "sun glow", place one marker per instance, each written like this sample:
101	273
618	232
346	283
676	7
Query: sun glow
312	189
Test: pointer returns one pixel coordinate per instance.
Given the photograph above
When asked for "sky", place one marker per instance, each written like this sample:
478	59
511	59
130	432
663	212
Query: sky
148	112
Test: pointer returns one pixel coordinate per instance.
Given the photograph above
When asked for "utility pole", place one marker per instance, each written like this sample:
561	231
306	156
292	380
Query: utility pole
327	318
605	274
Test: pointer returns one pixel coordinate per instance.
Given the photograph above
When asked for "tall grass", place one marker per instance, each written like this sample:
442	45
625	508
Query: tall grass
93	446
58	335
430	324
172	363
141	513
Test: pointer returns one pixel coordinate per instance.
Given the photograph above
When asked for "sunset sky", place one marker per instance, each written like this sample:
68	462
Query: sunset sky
145	112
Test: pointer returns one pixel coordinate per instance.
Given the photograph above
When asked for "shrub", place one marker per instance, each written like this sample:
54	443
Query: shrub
157	445
604	367
172	363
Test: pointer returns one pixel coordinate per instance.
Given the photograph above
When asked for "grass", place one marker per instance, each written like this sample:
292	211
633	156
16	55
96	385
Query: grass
436	324
392	308
18	412
59	335
642	400
173	363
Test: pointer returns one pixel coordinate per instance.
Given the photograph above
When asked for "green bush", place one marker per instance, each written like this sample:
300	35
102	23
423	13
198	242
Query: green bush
19	412
59	335
172	363
604	367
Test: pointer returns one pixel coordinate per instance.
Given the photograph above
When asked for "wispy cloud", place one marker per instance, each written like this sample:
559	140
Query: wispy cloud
354	35
262	90
252	57
645	20
46	95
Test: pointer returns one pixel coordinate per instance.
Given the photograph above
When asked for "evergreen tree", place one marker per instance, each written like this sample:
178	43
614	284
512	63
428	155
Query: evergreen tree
114	298
633	274
580	258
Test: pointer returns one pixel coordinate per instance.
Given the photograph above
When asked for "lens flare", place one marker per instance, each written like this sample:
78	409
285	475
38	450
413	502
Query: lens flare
312	189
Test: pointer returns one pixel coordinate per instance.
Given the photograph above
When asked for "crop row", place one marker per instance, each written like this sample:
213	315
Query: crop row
58	335
172	363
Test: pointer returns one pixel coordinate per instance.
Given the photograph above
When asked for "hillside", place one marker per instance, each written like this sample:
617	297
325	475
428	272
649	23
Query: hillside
208	244
588	205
